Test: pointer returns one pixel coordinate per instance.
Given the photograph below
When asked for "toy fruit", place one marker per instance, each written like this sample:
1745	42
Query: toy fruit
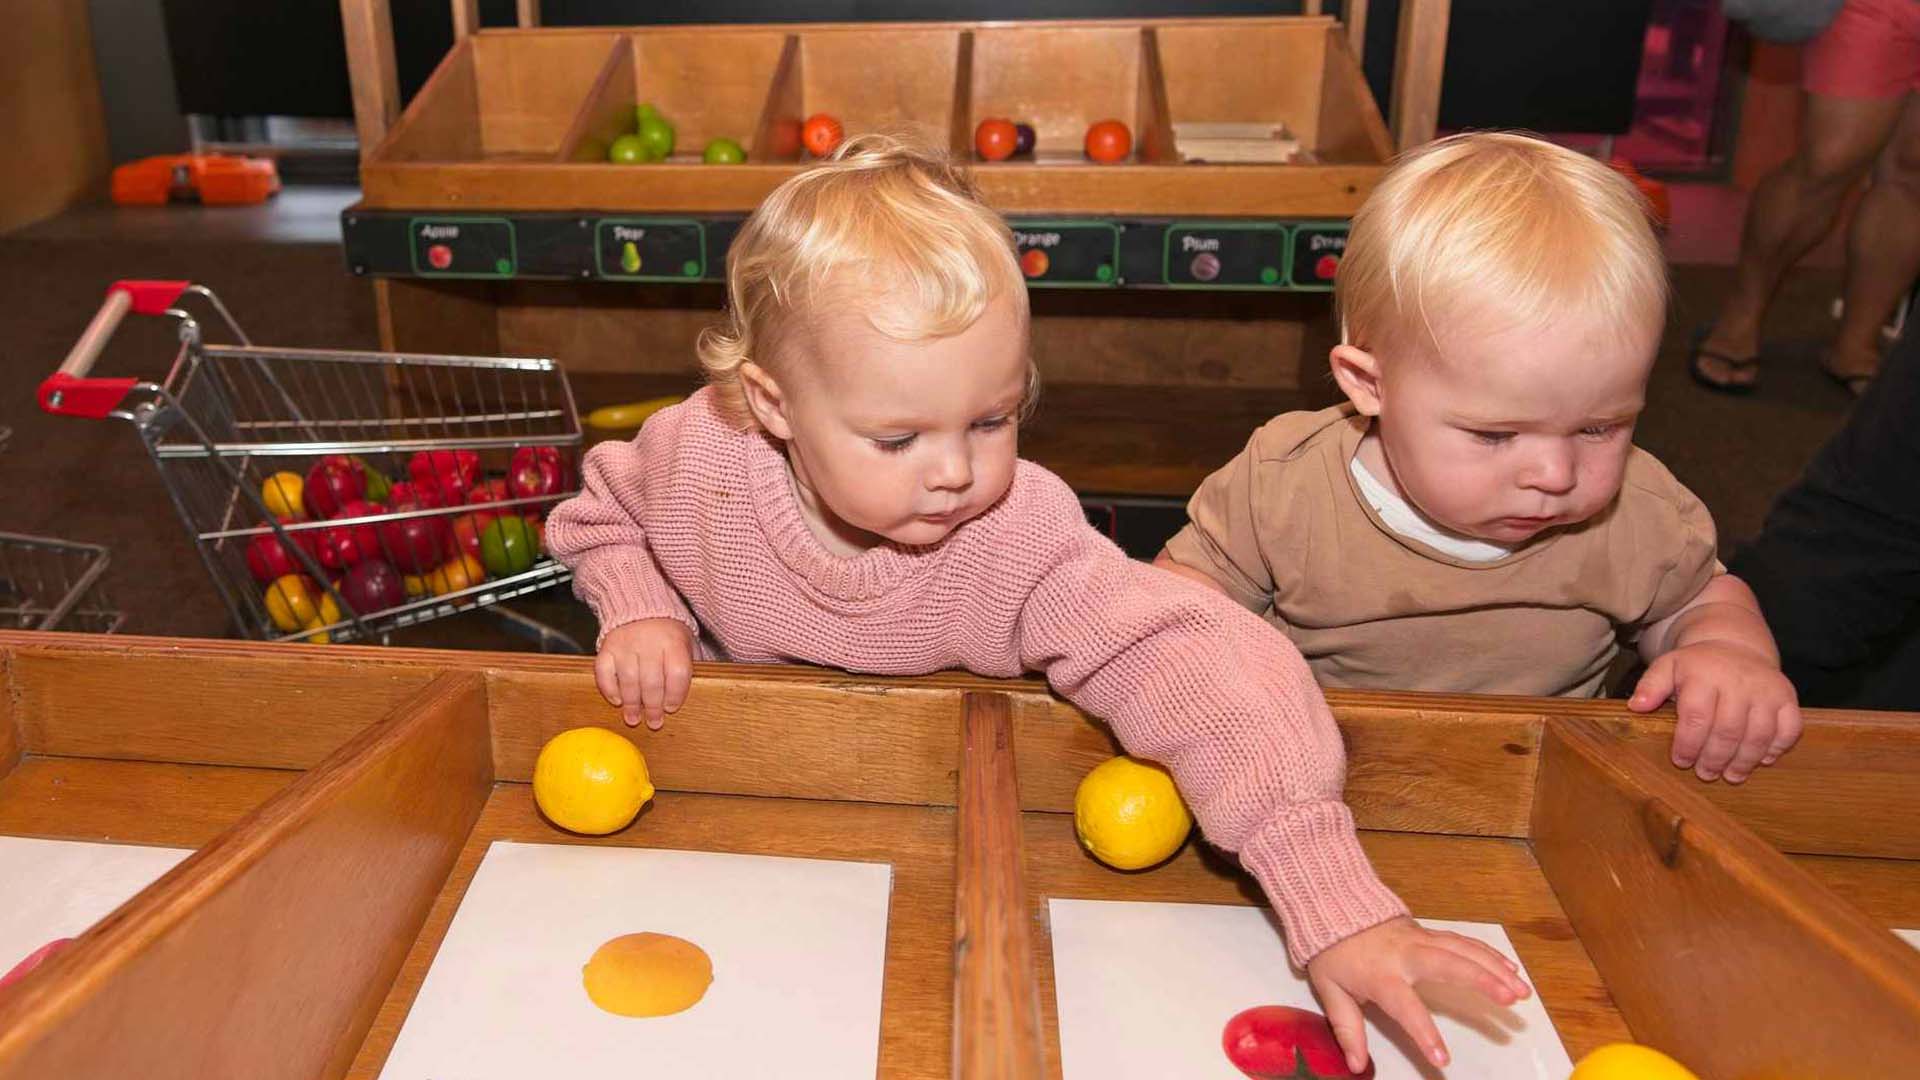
373	586
1129	815
1629	1061
452	472
723	152
463	535
415	544
462	572
1109	141
33	960
1023	139
996	139
657	136
647	974
494	490
333	480
281	494
344	545
644	112
822	134
269	557
538	470
628	417
423	496
507	546
1269	1042
415	585
379	484
628	150
328	614
590	780
290	602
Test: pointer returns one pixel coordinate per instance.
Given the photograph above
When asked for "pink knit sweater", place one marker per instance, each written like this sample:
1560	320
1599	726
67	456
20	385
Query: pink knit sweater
696	520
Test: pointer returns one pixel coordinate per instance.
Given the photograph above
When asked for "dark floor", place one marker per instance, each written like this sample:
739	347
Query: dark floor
283	277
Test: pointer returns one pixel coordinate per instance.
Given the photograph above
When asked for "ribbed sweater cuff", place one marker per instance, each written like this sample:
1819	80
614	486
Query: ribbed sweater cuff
1311	867
623	587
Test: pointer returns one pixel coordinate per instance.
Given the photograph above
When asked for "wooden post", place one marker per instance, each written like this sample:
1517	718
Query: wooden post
528	13
466	18
371	69
1354	14
1419	61
996	1002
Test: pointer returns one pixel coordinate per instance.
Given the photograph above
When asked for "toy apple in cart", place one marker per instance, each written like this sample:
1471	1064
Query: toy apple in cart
452	472
334	481
538	470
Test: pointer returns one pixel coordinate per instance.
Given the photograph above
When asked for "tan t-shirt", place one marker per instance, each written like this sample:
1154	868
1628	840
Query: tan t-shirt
1284	530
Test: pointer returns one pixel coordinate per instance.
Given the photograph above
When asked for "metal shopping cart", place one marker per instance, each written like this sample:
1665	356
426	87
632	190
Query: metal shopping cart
338	495
48	584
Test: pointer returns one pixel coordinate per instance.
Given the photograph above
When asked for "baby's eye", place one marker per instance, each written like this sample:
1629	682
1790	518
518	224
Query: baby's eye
1599	432
896	444
1491	438
992	423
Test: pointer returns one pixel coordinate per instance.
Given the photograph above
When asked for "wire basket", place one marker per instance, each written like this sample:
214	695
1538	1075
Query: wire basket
48	584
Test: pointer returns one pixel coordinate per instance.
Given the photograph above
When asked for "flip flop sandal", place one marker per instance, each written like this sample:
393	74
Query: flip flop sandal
1697	351
1855	385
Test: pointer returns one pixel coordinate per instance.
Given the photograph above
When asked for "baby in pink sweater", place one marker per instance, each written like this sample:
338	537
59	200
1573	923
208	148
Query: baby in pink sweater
846	492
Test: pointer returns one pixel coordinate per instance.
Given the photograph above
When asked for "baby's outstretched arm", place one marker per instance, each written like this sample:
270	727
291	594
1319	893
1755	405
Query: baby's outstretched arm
1194	681
646	629
1717	660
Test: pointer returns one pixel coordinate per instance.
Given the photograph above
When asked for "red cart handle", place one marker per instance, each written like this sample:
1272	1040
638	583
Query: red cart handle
68	391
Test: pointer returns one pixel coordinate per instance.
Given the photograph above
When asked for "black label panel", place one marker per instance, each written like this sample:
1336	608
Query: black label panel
462	247
1077	253
1317	251
1226	256
650	249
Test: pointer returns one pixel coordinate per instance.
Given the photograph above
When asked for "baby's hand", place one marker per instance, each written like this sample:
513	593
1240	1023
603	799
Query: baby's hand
644	668
1736	709
1381	963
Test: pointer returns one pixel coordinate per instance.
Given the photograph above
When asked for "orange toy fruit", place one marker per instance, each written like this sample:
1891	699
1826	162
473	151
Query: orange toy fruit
995	139
821	133
1109	141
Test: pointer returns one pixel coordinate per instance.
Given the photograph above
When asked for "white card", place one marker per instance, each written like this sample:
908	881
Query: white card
58	888
1145	991
1912	936
798	949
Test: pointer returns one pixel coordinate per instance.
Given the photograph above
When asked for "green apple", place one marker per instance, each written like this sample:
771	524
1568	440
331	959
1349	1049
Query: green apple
724	152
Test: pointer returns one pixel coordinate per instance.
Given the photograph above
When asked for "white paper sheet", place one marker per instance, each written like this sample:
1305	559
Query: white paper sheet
57	888
1912	936
1145	990
798	949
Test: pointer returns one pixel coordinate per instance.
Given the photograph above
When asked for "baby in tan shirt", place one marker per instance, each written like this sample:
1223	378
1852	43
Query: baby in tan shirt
1476	518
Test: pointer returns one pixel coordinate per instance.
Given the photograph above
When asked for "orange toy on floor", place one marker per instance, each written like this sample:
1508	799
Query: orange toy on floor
217	179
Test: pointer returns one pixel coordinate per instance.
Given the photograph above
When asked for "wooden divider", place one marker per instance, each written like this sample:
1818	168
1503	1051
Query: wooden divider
960	124
1155	135
317	895
608	111
776	138
1715	947
10	738
996	1000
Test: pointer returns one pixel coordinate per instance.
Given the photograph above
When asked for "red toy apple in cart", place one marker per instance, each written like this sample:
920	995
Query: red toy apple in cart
1275	1042
538	470
334	481
453	472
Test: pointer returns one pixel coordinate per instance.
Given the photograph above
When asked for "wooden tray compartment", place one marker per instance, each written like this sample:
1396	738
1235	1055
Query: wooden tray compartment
708	84
1529	813
500	100
1301	76
1062	80
893	80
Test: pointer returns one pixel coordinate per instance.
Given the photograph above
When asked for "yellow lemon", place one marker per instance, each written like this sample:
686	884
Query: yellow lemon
590	780
281	493
329	614
415	586
647	975
290	602
1128	813
1629	1061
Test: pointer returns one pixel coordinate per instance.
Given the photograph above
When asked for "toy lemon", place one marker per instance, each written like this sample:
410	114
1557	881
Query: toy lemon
1629	1061
1129	815
590	780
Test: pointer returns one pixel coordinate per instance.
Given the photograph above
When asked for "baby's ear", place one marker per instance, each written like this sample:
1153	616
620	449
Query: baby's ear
1358	373
765	400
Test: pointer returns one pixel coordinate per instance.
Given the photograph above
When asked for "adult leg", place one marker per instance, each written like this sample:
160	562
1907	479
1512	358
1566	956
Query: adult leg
1790	211
1883	252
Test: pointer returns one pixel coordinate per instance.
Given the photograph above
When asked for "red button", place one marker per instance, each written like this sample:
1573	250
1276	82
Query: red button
440	255
1326	267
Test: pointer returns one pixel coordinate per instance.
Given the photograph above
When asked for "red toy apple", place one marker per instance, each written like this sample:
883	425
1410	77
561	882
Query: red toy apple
34	959
347	545
372	587
1275	1042
453	472
538	470
269	557
416	544
334	480
464	536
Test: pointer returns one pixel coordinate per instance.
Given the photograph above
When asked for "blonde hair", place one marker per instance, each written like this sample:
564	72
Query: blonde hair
1502	226
898	223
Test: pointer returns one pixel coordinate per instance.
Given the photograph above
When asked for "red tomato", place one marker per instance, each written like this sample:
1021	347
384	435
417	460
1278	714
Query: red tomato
821	133
1270	1042
995	139
1109	141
